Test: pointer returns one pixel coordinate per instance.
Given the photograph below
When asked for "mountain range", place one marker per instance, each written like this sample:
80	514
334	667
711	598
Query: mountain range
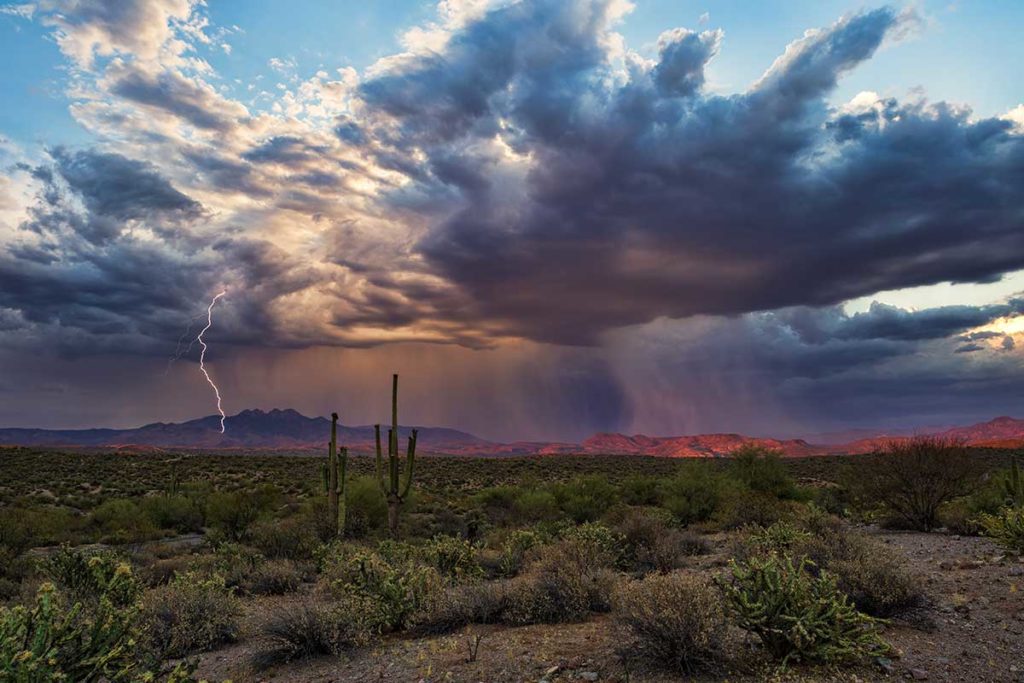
290	430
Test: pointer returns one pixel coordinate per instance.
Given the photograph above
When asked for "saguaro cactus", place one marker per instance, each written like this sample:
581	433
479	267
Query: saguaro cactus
395	490
1013	487
335	479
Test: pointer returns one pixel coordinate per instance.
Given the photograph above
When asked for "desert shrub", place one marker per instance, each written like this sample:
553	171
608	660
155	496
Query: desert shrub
454	607
498	503
515	547
192	613
24	528
454	558
393	586
779	537
913	479
875	580
694	494
566	581
234	563
584	499
652	542
1006	528
178	513
293	538
532	506
641	489
366	509
753	509
868	572
275	577
121	521
797	615
592	544
311	630
761	470
677	620
230	514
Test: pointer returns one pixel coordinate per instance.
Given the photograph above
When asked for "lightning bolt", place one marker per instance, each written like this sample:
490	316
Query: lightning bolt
202	356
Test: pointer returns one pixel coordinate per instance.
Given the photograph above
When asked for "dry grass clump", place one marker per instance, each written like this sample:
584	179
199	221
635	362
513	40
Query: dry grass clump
677	620
311	630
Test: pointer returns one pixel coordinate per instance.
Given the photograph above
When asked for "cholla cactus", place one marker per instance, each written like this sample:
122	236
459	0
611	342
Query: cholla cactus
395	490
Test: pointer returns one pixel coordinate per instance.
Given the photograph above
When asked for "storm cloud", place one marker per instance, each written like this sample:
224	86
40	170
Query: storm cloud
635	248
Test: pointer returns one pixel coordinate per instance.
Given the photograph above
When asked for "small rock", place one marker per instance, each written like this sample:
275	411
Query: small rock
885	664
589	675
919	674
1016	571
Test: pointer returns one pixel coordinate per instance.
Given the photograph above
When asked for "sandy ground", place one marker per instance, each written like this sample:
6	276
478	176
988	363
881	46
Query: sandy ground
972	631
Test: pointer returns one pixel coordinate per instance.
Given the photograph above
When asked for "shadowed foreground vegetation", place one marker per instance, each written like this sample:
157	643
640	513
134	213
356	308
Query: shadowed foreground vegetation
189	541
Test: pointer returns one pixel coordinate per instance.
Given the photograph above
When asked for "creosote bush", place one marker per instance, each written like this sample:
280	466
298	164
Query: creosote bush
799	614
677	620
914	479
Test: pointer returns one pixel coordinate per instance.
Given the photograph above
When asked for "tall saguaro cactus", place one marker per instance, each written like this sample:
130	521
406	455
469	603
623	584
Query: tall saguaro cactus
395	490
335	480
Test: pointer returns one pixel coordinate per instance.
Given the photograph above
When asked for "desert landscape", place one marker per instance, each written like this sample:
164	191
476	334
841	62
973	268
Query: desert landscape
511	341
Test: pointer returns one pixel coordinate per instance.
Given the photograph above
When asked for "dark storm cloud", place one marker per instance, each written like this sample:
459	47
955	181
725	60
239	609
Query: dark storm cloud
88	283
646	196
882	321
112	185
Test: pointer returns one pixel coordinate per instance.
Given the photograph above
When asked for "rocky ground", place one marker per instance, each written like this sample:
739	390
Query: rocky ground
973	630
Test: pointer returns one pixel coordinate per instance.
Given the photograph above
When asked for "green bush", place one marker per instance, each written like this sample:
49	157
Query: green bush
230	514
677	620
178	513
192	613
750	508
516	546
455	559
584	499
1006	528
761	470
293	538
694	494
652	542
532	506
24	528
121	521
366	511
393	586
641	489
799	616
